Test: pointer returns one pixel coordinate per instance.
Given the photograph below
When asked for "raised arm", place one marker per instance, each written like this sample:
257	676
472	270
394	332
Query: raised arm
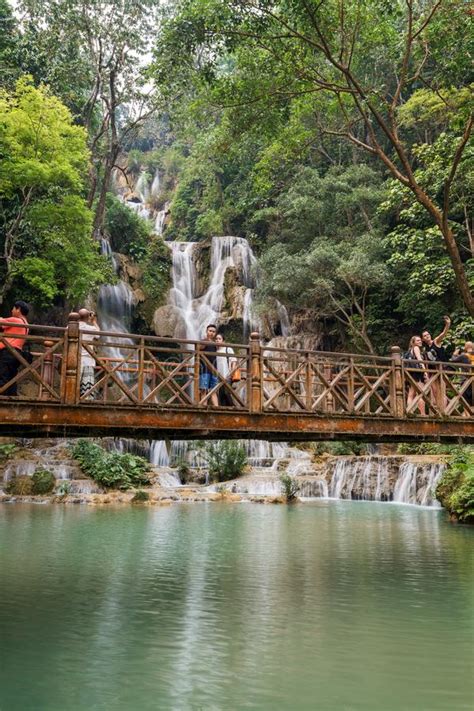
447	324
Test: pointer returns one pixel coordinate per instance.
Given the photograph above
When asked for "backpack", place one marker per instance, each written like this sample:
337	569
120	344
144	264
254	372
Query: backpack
410	361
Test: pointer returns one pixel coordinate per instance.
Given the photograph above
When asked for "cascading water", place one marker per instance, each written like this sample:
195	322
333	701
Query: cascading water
198	311
369	478
114	309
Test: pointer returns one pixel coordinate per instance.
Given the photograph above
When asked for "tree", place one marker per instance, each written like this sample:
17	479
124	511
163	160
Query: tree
329	257
358	61
46	243
107	41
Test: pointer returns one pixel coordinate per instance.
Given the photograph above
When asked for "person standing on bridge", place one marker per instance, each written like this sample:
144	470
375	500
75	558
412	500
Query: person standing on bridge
15	331
415	365
87	322
207	366
434	352
226	364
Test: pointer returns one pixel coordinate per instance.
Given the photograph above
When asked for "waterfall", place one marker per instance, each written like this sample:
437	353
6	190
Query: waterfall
414	483
415	486
142	187
114	310
197	312
160	220
284	319
155	186
251	321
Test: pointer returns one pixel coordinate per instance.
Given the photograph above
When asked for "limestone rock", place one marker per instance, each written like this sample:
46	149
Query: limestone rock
168	322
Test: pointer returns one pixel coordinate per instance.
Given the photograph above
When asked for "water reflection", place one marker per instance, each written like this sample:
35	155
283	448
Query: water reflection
332	605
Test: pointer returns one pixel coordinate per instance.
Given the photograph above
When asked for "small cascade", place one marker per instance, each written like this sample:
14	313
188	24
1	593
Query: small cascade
114	309
254	485
169	480
198	311
160	220
313	488
370	479
155	186
284	319
264	454
353	478
142	187
416	485
250	319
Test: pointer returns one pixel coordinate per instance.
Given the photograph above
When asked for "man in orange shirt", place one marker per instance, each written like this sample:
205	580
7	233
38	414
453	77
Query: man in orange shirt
15	331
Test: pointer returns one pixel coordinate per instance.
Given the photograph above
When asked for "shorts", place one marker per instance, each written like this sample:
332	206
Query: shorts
207	381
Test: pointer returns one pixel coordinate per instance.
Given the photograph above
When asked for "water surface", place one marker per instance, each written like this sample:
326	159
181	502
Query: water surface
330	606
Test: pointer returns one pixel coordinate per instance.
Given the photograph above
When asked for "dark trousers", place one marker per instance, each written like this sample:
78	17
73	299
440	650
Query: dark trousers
8	369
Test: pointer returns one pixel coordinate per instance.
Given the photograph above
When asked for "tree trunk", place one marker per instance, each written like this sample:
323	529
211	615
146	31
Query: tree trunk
100	211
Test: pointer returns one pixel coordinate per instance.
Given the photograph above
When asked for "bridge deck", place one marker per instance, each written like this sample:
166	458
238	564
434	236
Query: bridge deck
149	387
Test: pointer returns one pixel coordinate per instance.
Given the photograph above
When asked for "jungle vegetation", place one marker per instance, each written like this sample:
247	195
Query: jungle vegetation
335	135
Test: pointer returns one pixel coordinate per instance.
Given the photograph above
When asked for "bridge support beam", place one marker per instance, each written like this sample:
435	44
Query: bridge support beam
71	372
397	382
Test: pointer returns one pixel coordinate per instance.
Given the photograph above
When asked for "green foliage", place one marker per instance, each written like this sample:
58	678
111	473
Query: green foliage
7	451
111	469
184	471
129	233
140	497
455	490
290	487
156	271
225	459
64	488
426	448
43	482
19	486
47	237
339	449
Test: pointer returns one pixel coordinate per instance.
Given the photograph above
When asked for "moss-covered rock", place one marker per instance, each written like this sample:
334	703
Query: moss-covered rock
43	482
19	486
455	490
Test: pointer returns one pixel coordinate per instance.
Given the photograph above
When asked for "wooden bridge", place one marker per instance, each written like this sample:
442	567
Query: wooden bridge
148	387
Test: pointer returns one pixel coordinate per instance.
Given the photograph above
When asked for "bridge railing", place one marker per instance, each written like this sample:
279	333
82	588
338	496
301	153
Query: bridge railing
154	372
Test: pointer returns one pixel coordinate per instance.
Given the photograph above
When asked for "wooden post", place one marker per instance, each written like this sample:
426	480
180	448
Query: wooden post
48	370
308	384
141	371
397	399
443	393
256	373
351	387
327	370
71	371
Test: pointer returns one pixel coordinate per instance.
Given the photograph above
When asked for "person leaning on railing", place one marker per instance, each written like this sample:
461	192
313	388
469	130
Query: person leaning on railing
15	331
87	322
415	365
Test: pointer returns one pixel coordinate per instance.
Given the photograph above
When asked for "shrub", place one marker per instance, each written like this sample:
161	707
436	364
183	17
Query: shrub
290	487
111	469
129	233
455	489
19	486
225	460
184	471
63	489
6	451
339	449
44	481
140	497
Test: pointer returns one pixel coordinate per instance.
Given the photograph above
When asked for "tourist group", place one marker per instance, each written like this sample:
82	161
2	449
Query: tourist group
219	371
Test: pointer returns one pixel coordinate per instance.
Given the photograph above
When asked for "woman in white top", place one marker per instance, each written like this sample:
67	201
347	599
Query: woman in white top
225	363
87	322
